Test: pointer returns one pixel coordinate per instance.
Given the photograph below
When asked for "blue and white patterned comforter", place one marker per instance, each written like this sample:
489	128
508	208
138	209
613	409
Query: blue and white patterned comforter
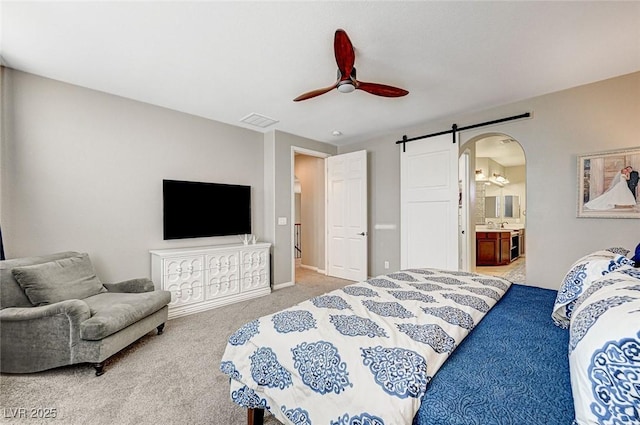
604	350
363	354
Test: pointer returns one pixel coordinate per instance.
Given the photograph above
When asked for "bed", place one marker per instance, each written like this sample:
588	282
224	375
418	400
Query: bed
368	353
487	381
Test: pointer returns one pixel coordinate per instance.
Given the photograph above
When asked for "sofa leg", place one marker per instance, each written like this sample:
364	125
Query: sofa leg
160	329
99	367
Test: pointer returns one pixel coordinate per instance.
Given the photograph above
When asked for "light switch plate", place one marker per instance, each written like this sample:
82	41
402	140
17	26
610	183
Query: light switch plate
282	221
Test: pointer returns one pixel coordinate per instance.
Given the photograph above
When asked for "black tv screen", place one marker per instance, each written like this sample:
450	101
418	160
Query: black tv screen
197	209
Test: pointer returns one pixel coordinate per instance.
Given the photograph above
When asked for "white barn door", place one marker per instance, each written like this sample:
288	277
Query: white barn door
347	216
429	204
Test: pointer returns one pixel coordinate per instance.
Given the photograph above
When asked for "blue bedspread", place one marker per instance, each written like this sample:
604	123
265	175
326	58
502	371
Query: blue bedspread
512	369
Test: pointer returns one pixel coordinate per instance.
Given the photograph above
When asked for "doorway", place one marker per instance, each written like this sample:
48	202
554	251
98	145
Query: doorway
332	232
499	207
308	213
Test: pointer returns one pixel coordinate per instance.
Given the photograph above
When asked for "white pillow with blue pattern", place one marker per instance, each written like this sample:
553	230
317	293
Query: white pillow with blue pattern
604	350
580	276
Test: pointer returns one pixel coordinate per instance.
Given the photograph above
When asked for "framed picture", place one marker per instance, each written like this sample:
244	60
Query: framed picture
608	184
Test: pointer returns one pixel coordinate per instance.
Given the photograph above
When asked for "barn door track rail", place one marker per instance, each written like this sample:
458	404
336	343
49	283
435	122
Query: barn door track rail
455	129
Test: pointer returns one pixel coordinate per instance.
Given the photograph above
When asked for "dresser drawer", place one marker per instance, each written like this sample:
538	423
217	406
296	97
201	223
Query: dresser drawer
186	292
182	266
222	263
222	285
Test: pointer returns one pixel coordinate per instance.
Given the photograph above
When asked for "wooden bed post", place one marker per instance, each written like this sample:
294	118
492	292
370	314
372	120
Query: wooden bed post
255	416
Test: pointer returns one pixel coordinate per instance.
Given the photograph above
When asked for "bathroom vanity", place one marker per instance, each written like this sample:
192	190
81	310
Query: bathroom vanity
497	247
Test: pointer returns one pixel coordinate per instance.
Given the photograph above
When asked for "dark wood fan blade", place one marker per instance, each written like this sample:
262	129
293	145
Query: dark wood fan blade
314	93
381	89
345	56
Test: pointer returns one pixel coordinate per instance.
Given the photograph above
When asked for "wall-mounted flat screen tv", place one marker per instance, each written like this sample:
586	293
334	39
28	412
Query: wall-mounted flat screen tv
198	209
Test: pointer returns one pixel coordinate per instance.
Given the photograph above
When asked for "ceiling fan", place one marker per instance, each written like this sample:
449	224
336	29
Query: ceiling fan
346	83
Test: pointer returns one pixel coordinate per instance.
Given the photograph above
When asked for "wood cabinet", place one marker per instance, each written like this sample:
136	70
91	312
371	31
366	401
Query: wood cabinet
493	248
202	278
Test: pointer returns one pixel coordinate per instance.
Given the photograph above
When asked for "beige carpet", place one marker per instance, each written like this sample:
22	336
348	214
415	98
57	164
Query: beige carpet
173	378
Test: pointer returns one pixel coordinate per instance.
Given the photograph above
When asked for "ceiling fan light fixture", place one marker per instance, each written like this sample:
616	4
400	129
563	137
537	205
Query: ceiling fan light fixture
347	82
346	87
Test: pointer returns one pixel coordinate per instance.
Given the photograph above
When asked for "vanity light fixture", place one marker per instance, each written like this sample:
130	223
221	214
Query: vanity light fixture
498	180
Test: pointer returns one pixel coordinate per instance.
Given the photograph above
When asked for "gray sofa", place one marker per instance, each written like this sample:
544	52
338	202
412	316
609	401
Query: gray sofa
54	311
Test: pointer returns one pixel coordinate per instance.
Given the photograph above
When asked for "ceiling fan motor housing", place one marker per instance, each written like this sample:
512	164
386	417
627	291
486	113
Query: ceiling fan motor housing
346	85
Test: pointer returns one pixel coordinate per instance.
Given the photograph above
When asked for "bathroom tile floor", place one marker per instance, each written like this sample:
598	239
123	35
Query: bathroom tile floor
515	271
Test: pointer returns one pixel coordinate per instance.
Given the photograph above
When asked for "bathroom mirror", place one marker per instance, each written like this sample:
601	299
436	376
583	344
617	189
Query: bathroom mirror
507	206
492	207
511	206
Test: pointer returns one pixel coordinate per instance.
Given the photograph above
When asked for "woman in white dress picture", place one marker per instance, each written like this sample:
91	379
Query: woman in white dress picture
617	195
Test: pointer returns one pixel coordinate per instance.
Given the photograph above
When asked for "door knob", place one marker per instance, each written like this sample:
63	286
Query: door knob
362	234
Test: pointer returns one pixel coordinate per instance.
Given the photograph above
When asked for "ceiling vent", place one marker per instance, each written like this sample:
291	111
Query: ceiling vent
258	120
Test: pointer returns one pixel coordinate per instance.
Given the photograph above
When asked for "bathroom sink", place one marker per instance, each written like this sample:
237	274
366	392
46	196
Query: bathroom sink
485	228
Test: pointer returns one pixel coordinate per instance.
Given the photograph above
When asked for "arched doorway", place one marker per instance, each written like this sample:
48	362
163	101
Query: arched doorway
497	206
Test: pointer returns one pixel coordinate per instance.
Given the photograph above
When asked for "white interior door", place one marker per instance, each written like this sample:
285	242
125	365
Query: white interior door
347	216
429	204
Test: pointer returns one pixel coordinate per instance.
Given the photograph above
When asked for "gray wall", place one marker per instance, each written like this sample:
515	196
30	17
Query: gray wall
83	170
4	107
590	118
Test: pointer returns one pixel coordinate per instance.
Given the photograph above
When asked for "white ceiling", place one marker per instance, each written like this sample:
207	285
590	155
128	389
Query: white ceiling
225	60
503	150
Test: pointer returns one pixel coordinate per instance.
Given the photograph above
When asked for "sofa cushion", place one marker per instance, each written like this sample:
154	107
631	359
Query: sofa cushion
111	312
11	293
64	279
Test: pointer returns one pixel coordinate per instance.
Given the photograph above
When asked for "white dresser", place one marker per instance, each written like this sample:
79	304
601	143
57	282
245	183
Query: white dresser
206	277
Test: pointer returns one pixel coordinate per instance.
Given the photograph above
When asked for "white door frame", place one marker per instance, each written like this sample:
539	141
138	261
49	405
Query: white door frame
469	146
464	225
317	154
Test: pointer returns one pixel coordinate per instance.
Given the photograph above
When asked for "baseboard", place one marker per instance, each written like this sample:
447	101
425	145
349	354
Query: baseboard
183	310
312	268
277	286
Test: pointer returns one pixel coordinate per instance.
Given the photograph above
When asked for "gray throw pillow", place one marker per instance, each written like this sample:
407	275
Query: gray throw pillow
65	279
